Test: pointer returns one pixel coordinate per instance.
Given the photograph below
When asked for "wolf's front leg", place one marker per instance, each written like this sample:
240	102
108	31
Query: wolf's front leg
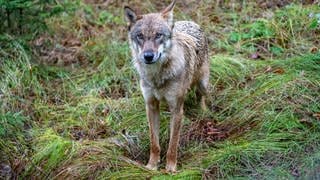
176	108
153	114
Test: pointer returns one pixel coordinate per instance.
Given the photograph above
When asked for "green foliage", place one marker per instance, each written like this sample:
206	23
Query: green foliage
258	29
11	124
18	76
101	17
52	149
315	23
28	16
275	34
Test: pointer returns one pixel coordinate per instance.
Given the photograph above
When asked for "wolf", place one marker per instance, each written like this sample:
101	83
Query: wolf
170	58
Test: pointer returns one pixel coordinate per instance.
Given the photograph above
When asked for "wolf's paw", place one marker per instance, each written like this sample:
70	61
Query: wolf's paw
152	167
171	168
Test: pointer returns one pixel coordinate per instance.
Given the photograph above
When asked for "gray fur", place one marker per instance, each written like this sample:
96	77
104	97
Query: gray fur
180	62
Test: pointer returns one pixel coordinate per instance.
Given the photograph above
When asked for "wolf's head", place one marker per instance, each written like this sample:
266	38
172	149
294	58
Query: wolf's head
150	34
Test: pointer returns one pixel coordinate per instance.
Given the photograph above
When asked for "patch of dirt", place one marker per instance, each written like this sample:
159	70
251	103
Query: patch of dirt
96	1
205	130
114	92
117	89
210	131
271	4
96	130
59	52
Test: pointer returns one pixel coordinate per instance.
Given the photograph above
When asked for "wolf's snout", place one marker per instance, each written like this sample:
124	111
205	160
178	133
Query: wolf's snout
148	57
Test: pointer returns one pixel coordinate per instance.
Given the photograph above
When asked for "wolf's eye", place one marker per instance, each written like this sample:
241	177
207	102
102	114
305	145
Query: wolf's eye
159	35
140	36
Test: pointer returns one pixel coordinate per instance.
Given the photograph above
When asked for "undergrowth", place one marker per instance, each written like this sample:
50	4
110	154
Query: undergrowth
70	104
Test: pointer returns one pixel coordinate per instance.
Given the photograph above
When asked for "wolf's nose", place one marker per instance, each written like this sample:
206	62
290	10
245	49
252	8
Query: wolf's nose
148	56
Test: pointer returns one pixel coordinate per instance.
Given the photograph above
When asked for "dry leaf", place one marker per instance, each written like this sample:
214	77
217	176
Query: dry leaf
278	71
316	115
314	50
269	69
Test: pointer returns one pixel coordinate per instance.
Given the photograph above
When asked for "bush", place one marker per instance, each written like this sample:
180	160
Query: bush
27	16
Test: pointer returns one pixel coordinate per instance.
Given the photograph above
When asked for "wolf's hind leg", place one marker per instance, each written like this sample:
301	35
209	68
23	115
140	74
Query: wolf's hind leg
202	90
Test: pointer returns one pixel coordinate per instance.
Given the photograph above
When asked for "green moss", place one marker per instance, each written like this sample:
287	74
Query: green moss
51	151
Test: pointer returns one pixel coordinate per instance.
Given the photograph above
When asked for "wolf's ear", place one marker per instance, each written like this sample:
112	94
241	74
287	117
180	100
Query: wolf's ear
131	16
167	13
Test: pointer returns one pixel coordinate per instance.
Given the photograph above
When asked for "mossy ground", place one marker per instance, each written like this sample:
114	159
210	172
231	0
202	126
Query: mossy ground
71	105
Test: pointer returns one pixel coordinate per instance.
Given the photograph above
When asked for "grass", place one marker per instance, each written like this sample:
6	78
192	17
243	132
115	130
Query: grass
81	114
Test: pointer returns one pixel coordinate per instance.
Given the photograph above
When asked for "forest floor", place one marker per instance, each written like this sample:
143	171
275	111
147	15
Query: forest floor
71	107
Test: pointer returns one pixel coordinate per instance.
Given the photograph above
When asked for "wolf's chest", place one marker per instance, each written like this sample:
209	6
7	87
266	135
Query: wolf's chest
159	93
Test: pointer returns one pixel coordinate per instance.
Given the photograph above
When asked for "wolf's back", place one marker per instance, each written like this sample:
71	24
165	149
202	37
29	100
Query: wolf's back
194	31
